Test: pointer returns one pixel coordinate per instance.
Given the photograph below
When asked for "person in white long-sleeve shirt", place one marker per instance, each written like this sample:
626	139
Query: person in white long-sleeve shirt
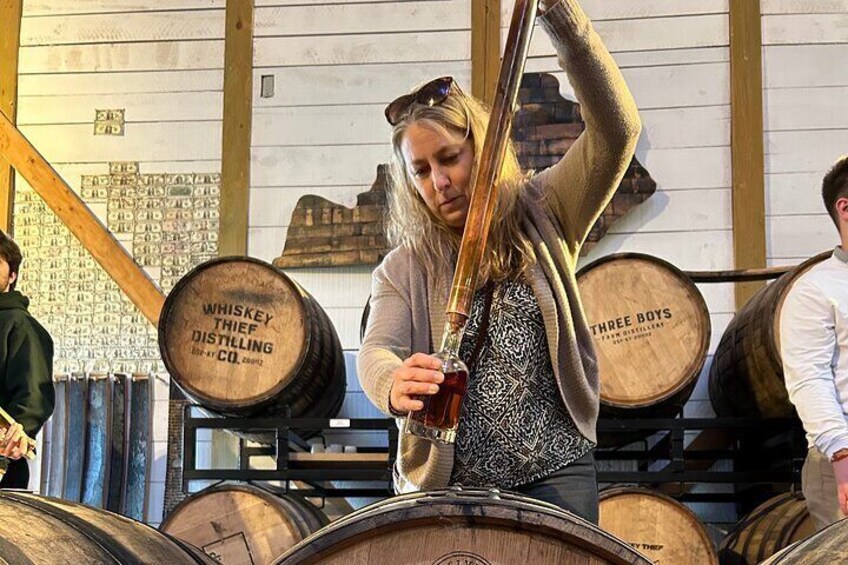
814	347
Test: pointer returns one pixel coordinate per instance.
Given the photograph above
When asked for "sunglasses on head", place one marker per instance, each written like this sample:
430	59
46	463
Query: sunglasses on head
431	94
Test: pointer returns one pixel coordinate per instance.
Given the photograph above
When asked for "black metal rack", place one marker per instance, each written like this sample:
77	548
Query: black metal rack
763	452
281	435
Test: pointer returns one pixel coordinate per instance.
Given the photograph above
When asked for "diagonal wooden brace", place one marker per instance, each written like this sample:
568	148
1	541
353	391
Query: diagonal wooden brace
81	221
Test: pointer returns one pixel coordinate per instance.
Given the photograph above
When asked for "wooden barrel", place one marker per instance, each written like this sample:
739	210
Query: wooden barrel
243	524
746	376
829	546
241	338
49	531
472	527
663	529
775	524
651	330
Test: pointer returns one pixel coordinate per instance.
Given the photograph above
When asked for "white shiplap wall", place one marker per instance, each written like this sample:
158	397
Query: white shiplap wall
335	65
805	80
162	62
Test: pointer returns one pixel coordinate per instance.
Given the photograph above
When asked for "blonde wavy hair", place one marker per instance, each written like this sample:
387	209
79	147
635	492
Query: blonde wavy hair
508	252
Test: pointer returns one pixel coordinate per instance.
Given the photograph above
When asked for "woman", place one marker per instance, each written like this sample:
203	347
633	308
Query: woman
528	419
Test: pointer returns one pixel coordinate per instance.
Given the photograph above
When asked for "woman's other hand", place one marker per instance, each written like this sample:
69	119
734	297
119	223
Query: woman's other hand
419	375
14	442
545	5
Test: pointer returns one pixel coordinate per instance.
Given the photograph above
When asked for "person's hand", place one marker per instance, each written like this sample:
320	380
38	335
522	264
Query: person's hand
419	375
14	442
545	5
840	471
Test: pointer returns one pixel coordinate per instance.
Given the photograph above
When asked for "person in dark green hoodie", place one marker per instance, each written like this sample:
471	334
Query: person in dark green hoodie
26	368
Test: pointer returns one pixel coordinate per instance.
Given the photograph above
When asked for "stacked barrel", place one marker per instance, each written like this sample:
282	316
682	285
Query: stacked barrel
651	330
52	531
243	524
242	339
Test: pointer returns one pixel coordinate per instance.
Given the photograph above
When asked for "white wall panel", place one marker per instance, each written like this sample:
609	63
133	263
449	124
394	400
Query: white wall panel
71	173
648	33
273	206
795	29
804	6
60	7
139	108
266	242
673	210
318	165
689	168
359	49
319	125
803	151
800	236
361	17
663	86
790	109
122	27
789	194
659	57
804	65
161	141
680	128
120	82
806	78
601	10
352	85
691	251
105	57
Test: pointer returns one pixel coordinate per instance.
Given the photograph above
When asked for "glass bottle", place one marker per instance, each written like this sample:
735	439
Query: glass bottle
439	419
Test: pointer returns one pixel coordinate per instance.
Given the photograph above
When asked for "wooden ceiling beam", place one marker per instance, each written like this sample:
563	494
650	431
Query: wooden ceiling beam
10	37
485	48
237	121
746	143
81	221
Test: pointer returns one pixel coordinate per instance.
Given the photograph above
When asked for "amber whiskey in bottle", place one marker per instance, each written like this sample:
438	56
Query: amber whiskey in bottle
439	419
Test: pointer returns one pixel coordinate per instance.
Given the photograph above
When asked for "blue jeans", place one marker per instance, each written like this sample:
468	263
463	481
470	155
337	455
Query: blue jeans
573	488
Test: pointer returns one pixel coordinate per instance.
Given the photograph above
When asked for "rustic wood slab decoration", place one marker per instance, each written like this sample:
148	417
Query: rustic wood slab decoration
326	234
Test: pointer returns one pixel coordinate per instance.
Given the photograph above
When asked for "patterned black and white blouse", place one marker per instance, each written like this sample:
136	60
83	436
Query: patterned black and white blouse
514	427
